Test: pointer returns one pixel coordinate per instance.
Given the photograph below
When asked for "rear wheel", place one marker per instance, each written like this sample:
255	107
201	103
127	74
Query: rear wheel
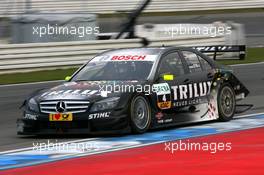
140	114
226	102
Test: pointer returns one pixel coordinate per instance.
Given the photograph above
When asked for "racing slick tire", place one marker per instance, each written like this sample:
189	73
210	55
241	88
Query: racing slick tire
140	115
226	100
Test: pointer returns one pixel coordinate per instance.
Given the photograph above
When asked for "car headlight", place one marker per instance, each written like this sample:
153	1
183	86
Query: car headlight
33	105
108	103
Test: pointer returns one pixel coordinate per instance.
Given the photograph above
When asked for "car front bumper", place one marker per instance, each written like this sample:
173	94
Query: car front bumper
117	122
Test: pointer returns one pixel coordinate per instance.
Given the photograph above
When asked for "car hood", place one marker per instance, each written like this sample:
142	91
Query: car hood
85	90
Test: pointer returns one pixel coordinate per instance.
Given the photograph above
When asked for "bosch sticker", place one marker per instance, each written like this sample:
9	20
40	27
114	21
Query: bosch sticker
107	58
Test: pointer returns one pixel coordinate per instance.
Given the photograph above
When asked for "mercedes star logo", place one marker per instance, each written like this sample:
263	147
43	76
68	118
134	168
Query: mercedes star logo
61	107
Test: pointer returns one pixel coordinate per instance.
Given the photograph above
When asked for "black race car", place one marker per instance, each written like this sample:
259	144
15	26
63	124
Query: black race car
135	90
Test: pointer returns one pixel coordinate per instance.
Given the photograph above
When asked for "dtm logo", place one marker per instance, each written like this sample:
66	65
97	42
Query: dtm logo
99	115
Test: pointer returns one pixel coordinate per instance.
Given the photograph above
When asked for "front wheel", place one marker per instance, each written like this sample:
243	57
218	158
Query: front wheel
226	102
140	114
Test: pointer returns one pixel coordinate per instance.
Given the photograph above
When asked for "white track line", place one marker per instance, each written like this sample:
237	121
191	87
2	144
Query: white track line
114	149
249	115
30	148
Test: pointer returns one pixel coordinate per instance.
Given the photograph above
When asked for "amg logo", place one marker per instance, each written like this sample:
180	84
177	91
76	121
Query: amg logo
99	115
194	90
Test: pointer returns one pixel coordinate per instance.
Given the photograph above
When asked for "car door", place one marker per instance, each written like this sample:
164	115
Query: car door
199	71
171	64
199	80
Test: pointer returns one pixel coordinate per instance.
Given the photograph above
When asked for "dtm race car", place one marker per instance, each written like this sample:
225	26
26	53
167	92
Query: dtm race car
134	90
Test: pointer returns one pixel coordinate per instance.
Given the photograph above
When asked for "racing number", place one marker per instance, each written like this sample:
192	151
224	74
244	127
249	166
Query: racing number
163	95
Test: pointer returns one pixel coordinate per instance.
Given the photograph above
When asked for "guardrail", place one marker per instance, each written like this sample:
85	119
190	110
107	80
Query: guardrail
41	56
13	7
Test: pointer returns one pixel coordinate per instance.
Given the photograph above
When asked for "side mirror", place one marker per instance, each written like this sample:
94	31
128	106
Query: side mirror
166	77
67	78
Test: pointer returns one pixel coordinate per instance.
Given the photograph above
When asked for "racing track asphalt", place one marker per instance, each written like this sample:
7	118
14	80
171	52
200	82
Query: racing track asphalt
11	97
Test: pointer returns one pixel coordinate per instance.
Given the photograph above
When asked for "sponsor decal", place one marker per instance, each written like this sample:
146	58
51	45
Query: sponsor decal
164	105
190	94
99	115
163	95
161	88
85	92
169	120
211	109
60	117
106	58
193	90
212	106
214	48
129	58
30	116
187	102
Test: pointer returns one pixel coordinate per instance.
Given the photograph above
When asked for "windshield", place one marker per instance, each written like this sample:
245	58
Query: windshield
117	67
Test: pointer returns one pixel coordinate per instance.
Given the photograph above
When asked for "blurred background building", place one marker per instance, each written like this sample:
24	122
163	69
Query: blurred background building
50	34
18	17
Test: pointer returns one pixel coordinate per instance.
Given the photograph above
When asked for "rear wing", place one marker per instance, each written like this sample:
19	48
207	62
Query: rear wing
240	49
